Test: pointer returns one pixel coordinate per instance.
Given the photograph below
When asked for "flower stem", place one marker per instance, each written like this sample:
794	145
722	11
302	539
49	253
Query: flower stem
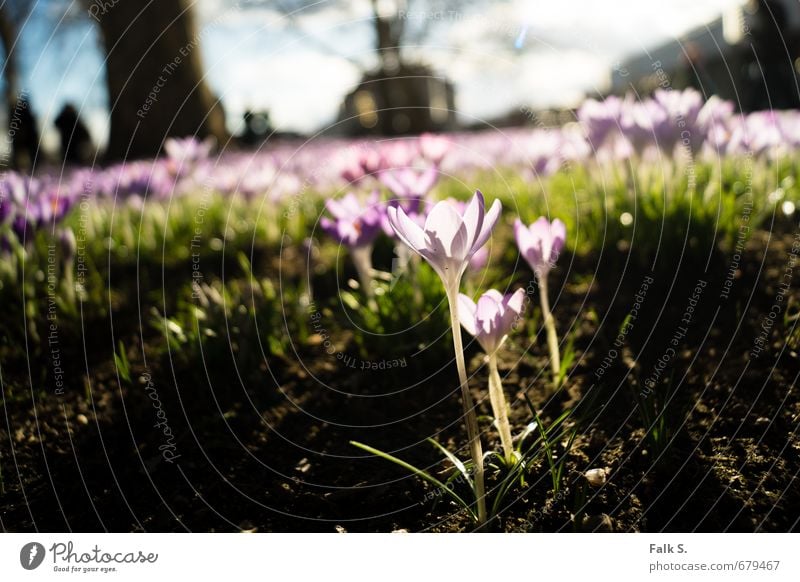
500	408
362	259
470	419
550	327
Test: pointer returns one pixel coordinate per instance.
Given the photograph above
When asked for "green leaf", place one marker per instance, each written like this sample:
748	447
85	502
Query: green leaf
455	460
122	364
419	473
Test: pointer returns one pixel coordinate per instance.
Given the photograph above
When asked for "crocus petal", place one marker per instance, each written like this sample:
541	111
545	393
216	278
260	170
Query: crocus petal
407	230
516	301
558	232
445	225
495	294
466	313
473	214
523	236
426	181
514	304
336	208
388	179
488	224
486	314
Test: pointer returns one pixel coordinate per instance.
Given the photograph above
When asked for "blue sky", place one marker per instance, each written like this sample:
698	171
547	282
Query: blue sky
253	56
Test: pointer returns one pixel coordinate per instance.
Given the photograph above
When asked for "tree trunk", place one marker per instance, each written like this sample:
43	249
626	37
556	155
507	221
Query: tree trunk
10	72
155	76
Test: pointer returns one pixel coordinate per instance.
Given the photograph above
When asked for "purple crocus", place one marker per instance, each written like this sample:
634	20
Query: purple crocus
598	118
409	186
434	147
449	238
492	317
540	243
490	321
188	149
354	224
481	257
447	241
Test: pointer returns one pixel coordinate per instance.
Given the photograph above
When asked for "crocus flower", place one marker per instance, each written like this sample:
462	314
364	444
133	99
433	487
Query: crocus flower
354	224
409	186
714	123
540	243
481	257
449	239
492	317
682	109
188	149
646	122
434	147
490	321
366	162
398	153
447	242
598	118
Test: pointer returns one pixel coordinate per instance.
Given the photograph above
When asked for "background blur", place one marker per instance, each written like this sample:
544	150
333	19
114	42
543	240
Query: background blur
248	68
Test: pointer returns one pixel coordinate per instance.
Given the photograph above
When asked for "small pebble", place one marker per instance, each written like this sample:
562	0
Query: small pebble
596	477
81	418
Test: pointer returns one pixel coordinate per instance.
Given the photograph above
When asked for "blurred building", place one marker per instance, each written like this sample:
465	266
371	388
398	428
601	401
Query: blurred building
749	55
411	100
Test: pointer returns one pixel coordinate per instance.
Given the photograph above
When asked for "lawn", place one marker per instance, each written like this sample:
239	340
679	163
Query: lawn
239	341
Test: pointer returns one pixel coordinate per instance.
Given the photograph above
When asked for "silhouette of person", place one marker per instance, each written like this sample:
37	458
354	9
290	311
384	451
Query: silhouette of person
23	134
256	127
76	142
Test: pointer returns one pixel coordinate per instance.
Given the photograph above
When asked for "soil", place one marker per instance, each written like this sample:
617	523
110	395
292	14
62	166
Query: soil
276	455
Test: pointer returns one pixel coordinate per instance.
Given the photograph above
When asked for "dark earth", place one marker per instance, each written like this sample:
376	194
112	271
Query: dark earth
274	456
